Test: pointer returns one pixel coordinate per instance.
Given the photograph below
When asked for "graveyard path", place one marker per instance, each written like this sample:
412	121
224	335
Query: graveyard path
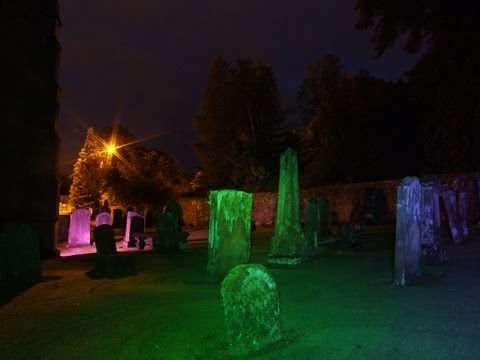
339	306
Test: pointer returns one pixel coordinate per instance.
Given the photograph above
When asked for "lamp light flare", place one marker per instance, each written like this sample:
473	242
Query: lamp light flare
111	148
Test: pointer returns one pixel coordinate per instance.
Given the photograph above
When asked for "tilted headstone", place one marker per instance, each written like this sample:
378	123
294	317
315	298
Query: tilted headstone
130	214
432	251
252	309
104	240
289	246
229	231
79	230
103	219
462	211
408	232
19	255
456	229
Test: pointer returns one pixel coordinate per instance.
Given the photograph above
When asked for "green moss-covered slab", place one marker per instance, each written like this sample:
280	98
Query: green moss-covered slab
229	231
252	309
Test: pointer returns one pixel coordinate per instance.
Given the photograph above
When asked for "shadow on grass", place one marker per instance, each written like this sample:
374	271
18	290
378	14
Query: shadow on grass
11	291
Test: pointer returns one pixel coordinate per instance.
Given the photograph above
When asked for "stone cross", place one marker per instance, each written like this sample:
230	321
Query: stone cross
408	232
252	309
229	231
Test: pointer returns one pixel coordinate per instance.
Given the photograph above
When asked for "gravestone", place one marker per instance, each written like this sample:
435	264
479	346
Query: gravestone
312	226
128	231
79	230
117	218
462	211
19	255
324	217
173	207
456	229
432	251
168	238
252	309
408	232
229	231
104	240
137	225
103	219
108	263
289	246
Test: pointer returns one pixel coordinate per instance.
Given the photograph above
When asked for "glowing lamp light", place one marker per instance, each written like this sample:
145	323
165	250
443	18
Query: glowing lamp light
111	149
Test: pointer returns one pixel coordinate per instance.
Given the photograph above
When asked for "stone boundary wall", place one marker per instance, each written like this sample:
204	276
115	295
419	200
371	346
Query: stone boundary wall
347	201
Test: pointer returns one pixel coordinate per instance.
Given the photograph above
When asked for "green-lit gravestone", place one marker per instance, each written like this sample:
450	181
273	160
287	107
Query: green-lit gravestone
408	232
19	255
289	246
229	231
252	309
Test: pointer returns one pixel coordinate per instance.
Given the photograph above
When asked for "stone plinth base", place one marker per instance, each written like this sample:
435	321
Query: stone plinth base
285	260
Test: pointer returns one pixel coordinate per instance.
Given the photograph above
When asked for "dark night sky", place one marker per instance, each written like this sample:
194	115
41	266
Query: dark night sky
145	62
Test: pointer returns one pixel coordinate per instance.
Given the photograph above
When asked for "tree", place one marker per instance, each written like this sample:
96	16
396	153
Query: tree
322	78
138	175
239	125
86	178
365	129
445	81
133	174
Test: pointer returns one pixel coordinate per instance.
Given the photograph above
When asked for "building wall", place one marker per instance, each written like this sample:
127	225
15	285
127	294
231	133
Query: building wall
347	201
29	112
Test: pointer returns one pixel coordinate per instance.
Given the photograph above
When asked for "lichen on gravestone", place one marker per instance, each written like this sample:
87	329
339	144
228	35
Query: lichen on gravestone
229	231
252	309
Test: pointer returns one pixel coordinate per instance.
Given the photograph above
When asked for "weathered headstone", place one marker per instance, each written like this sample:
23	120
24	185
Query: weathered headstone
408	232
19	255
79	230
252	309
456	229
130	214
104	240
229	231
103	219
289	246
462	211
432	251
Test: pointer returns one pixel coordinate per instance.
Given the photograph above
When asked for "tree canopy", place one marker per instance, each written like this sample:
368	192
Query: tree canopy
445	81
239	125
133	175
